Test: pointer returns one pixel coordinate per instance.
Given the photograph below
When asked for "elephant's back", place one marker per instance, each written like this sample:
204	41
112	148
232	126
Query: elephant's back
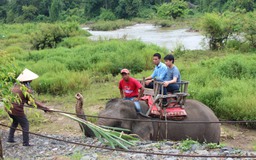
197	111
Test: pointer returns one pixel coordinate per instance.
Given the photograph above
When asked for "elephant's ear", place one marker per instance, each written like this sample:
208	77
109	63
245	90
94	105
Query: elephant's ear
143	129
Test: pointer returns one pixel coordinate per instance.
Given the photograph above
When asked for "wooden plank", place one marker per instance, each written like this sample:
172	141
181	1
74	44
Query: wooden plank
148	91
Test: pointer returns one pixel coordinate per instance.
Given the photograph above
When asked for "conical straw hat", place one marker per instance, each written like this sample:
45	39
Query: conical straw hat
27	75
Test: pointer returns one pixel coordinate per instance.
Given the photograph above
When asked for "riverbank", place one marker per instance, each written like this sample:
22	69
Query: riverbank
108	25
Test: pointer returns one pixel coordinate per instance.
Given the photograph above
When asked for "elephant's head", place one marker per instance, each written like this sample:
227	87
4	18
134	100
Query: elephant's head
125	109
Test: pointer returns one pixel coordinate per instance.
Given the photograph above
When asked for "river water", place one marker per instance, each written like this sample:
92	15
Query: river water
148	33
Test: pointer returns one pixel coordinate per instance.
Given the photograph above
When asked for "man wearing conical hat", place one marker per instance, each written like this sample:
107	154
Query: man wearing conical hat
17	110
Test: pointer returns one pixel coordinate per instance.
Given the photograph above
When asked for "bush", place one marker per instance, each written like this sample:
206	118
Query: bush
210	96
42	18
43	66
217	28
235	45
50	35
225	84
61	82
237	67
73	42
175	9
179	50
147	13
78	63
106	15
249	28
238	102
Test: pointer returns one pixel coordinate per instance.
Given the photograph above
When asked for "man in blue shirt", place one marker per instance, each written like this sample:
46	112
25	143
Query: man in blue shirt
173	78
159	73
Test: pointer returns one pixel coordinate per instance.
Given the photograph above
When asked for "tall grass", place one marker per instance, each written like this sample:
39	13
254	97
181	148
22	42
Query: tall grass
62	82
105	57
223	80
78	61
225	84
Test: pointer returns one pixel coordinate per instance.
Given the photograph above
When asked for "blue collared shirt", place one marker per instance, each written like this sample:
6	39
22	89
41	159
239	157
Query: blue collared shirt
160	72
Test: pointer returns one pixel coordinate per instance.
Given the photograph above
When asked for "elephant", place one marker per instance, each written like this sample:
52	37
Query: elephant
155	131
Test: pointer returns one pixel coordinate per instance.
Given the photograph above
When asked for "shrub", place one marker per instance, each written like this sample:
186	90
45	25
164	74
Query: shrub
210	96
217	28
175	9
249	28
73	42
128	9
237	67
239	106
42	18
14	50
61	82
146	12
179	50
106	15
236	45
43	66
50	35
78	63
225	84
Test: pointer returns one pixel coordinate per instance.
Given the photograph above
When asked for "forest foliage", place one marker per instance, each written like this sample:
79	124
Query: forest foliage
84	10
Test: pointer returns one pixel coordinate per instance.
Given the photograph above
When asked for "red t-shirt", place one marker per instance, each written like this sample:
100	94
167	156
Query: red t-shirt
130	87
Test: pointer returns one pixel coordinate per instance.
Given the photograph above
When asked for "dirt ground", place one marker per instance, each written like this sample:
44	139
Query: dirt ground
231	135
238	137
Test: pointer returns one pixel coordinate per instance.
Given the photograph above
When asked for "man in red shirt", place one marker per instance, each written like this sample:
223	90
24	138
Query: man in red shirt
130	88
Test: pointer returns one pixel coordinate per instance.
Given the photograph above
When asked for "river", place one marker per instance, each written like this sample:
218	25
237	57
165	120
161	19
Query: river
148	33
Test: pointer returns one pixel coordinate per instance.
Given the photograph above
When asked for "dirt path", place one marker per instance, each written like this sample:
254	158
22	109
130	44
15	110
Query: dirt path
238	137
231	135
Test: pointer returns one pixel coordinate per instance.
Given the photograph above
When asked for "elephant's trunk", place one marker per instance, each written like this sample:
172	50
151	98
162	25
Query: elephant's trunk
80	113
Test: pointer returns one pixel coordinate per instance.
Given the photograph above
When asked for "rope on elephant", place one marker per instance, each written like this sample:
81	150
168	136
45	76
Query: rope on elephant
132	151
150	120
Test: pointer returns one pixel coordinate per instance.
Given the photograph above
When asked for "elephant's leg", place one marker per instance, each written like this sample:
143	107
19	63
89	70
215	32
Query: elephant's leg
143	129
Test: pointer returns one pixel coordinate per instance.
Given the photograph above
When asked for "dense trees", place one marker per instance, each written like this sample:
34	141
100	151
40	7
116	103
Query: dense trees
55	10
81	10
175	9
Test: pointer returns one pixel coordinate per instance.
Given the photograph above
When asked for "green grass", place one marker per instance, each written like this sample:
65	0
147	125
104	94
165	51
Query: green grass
76	156
214	145
225	83
223	80
187	144
254	147
73	68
